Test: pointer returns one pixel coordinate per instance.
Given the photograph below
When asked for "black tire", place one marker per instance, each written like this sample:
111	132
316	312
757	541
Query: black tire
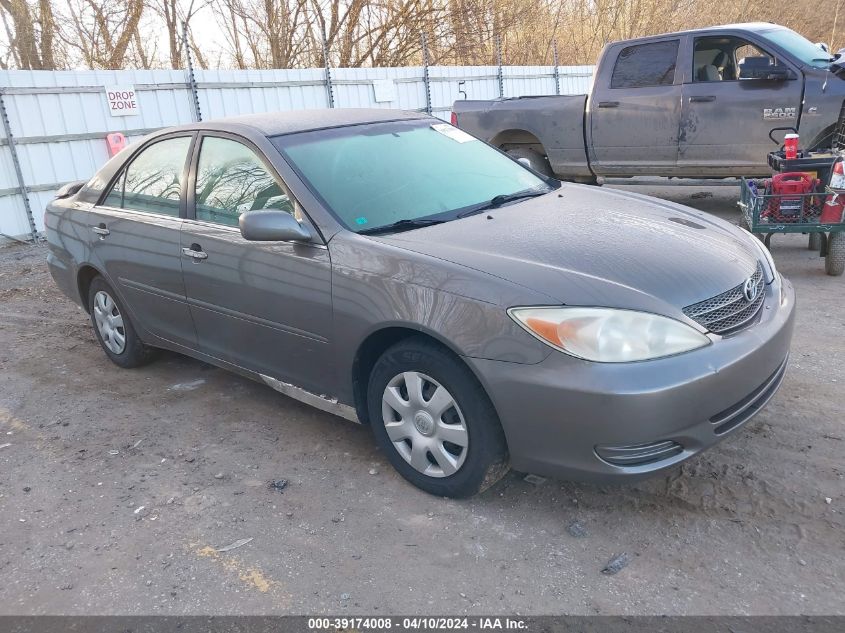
134	353
814	242
486	458
538	161
834	262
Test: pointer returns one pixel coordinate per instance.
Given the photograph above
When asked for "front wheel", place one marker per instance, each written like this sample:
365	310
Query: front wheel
434	420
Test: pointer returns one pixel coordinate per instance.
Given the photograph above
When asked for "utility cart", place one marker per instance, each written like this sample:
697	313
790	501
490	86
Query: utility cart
798	198
783	205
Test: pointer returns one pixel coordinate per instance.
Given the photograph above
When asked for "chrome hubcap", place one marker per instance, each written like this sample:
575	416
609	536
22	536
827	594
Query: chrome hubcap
109	322
425	424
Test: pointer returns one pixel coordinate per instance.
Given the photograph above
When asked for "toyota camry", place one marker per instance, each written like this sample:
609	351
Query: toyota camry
391	269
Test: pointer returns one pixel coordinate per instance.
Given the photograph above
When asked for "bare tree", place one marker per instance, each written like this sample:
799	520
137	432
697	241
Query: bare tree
265	33
45	34
173	14
29	29
102	32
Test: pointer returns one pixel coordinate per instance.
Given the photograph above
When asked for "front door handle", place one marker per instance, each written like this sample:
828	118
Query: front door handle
195	253
101	230
703	99
608	104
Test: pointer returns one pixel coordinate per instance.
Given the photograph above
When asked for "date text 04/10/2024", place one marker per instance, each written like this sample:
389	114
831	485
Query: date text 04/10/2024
424	623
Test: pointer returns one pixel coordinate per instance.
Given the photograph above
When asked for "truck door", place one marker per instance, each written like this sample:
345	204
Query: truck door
635	110
725	117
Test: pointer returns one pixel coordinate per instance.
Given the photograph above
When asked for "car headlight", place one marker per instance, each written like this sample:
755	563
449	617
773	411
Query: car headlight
608	335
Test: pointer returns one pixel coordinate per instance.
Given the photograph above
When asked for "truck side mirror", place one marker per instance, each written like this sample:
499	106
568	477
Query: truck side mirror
779	72
762	68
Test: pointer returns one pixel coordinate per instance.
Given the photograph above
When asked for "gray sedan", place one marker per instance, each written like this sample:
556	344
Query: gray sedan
394	270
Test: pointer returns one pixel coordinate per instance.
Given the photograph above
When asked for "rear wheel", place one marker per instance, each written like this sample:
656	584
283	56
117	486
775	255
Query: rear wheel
814	243
537	161
113	328
434	420
834	261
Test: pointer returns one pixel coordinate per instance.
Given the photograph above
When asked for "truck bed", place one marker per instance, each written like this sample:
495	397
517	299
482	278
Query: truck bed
558	120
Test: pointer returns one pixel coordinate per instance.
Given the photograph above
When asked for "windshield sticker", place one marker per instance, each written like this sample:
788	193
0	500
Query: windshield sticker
361	220
453	133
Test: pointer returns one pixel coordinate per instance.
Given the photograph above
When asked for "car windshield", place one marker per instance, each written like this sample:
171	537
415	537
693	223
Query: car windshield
379	174
799	47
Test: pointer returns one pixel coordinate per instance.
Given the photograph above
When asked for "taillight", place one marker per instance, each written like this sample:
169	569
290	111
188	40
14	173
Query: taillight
454	119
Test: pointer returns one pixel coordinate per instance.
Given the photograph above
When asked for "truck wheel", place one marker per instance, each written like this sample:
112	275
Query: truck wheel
538	162
434	421
815	242
834	262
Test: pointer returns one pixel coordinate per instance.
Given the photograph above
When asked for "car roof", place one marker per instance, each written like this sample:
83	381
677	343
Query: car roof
291	121
747	27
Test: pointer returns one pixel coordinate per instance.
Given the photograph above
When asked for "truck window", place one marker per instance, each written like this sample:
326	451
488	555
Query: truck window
718	58
643	65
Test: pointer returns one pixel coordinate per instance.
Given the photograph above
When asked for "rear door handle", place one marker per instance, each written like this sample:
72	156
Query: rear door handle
101	230
195	253
608	104
703	99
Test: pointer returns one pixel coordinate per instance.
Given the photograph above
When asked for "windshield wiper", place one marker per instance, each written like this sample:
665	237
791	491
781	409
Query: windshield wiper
504	198
400	225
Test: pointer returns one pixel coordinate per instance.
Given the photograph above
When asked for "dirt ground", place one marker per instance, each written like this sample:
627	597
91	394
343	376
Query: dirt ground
117	486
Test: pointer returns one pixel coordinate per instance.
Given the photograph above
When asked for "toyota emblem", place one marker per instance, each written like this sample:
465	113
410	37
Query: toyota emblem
749	289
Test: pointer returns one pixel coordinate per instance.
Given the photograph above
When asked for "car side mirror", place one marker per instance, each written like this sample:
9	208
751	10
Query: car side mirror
272	226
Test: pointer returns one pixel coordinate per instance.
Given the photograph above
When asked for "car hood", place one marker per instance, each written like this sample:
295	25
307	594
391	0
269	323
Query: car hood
583	245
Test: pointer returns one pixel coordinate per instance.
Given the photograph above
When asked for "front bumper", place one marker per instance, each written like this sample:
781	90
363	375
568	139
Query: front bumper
560	415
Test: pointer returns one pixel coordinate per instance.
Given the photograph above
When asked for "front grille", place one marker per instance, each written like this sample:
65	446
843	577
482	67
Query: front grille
731	310
639	454
745	409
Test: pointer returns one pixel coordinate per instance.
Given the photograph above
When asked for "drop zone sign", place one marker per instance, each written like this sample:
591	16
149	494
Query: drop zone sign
122	100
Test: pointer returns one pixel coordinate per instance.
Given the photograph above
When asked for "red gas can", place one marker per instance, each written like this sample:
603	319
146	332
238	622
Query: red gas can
788	191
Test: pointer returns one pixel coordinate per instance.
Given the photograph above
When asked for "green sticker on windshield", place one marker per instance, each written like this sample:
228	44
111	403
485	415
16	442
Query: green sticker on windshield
361	220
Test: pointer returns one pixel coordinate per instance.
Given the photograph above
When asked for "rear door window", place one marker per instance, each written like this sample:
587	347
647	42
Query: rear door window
644	65
232	179
152	182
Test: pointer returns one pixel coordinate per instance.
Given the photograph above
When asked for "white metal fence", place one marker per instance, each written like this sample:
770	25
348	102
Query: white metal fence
58	120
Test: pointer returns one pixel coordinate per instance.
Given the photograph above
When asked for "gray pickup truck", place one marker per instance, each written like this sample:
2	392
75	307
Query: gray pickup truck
697	103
